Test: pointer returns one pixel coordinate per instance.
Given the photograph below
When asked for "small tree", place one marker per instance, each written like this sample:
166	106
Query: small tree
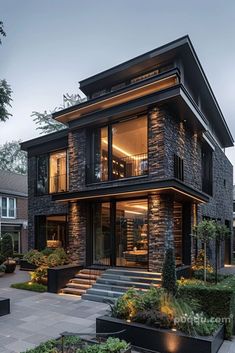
222	232
7	246
205	231
169	272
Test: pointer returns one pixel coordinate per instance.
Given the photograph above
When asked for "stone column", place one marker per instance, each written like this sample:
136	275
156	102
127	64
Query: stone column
77	233
77	159
160	229
156	143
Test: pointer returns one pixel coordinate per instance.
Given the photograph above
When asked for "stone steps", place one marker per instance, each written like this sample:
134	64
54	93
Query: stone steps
114	282
81	282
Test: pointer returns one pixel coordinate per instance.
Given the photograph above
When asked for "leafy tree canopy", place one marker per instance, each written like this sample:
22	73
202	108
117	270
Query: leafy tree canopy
44	121
12	158
5	89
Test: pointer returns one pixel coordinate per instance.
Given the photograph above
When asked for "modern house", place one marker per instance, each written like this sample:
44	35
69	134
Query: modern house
14	209
140	163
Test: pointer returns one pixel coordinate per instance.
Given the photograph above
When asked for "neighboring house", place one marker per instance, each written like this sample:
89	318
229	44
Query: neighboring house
14	209
233	219
141	162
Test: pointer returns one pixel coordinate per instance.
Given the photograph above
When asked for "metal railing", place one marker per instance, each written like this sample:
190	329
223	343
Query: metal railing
122	167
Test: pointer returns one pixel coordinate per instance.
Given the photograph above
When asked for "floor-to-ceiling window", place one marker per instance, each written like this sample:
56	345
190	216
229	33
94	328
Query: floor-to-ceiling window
132	233
101	234
118	151
178	232
120	233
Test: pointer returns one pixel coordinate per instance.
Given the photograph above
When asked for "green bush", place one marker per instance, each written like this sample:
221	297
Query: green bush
7	246
62	255
2	259
217	301
53	260
169	272
2	268
210	277
34	287
47	251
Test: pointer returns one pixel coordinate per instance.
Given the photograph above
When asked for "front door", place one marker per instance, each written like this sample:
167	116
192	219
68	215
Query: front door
120	233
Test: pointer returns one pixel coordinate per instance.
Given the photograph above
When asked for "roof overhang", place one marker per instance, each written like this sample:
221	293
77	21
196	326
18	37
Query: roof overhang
173	186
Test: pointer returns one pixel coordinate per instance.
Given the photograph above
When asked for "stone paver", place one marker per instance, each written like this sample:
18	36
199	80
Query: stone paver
37	317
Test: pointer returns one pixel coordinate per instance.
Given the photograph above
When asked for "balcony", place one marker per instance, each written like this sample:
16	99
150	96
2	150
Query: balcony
118	168
58	183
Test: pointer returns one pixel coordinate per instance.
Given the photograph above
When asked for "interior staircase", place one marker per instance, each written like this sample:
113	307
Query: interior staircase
98	285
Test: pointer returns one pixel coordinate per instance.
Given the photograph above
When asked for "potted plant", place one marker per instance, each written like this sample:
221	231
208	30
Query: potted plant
2	270
7	252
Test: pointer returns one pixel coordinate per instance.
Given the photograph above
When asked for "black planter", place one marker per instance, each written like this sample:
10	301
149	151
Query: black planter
26	266
4	306
160	340
59	276
10	267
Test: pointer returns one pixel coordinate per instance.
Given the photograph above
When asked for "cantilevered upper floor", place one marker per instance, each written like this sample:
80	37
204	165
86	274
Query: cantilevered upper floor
171	73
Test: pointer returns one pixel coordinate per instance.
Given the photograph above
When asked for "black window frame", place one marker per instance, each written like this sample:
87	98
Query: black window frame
178	167
207	169
90	151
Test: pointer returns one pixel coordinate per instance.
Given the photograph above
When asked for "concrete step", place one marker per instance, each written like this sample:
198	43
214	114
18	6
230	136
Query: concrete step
104	293
115	288
96	298
119	277
78	286
120	284
91	272
133	273
82	281
73	291
86	276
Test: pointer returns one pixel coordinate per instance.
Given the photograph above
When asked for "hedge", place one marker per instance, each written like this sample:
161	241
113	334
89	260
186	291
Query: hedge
215	300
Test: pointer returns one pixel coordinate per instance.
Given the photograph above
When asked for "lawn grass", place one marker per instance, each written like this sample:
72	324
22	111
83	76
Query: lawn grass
34	287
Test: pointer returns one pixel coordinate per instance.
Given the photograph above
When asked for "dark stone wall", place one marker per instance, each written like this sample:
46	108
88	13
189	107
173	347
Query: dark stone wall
39	205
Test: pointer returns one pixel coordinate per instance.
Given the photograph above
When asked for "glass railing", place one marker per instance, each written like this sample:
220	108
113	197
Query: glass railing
122	167
58	183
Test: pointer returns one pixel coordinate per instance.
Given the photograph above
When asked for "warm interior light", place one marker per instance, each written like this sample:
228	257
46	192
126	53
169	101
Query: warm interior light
140	207
133	212
117	148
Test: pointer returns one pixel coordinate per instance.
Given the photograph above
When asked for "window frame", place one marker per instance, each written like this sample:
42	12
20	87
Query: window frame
66	171
8	207
91	151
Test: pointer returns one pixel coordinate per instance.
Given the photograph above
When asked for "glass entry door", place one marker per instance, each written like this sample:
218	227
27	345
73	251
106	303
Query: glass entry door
101	234
132	233
120	233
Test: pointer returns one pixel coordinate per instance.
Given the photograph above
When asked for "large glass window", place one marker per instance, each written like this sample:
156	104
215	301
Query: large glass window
101	234
55	231
132	233
129	148
207	169
119	151
58	172
178	231
8	207
42	174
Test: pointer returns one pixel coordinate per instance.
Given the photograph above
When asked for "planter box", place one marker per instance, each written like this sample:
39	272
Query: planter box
183	271
59	276
26	266
4	306
160	340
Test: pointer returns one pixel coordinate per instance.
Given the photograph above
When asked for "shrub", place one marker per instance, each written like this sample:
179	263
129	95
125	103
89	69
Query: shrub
2	259
34	287
199	263
53	260
47	251
169	272
34	257
210	277
62	255
2	268
215	300
154	318
39	275
7	246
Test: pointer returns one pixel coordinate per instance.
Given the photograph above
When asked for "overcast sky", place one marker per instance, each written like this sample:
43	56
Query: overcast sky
52	44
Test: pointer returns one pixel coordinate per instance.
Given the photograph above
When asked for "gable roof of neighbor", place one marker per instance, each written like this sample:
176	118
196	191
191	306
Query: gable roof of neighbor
13	184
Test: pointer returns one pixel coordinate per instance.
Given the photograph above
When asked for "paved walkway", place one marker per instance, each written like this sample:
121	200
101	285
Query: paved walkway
36	317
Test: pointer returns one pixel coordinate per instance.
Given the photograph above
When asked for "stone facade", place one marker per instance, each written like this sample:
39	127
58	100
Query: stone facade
166	136
77	233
